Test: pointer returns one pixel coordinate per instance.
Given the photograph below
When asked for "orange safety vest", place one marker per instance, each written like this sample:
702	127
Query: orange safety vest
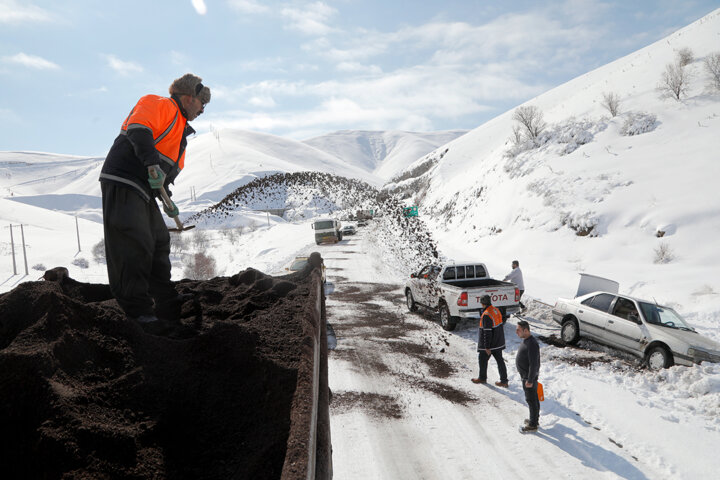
494	314
162	117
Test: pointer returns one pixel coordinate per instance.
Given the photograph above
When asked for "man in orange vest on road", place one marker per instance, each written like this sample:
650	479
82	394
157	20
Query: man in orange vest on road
491	341
148	154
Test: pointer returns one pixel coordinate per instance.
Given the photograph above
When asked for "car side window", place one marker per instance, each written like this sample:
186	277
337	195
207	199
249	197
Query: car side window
449	273
434	270
601	302
460	272
626	309
480	271
424	272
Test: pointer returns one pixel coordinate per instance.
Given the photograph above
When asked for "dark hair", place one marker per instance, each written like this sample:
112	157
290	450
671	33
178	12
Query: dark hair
485	300
524	325
515	262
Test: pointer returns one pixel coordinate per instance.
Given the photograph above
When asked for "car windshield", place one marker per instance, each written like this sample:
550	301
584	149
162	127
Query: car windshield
663	316
298	264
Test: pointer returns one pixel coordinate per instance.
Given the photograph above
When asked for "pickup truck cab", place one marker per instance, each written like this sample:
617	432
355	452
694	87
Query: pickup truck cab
454	291
654	333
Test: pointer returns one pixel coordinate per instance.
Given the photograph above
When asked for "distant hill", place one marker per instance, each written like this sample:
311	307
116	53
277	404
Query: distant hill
384	153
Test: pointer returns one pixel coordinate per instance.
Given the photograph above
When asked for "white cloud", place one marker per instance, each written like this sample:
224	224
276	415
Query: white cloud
122	67
199	6
178	58
12	11
310	20
31	61
248	6
263	101
357	67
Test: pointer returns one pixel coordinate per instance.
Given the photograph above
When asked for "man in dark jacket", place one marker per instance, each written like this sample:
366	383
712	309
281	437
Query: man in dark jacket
491	341
147	155
527	362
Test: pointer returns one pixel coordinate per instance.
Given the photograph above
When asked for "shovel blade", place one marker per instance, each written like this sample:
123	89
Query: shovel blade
185	227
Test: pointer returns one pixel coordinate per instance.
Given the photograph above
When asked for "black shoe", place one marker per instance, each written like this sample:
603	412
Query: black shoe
145	319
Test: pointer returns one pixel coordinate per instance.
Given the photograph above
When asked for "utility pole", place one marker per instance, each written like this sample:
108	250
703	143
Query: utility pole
77	230
22	235
12	244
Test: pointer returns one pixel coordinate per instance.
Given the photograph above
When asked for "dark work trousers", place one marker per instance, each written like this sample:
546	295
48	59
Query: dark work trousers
483	360
137	250
531	397
520	298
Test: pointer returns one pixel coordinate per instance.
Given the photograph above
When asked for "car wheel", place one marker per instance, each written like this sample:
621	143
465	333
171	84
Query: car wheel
659	358
570	332
412	306
446	321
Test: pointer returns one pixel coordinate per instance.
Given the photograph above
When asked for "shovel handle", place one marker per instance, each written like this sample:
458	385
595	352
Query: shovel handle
166	200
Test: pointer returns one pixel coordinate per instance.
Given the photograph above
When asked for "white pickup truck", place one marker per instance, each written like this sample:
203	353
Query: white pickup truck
454	290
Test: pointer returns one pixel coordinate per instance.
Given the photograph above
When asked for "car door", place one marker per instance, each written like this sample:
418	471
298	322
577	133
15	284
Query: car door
593	315
421	283
624	328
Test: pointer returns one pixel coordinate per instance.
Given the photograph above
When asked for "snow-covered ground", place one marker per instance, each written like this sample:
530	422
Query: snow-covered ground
404	406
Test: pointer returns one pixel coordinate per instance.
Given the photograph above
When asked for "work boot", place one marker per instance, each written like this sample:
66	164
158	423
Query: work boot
145	318
502	384
477	380
529	428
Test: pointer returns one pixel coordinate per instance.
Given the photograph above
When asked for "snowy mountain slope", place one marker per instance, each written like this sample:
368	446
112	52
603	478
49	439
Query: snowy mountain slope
591	197
382	152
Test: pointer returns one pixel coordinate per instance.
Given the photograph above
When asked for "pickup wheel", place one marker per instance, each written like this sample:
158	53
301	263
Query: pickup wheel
570	332
446	321
412	306
658	358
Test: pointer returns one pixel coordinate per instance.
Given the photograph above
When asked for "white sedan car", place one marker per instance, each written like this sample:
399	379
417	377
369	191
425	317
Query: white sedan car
652	332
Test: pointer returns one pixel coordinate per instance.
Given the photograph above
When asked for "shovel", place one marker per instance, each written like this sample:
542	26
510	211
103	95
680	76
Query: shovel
168	204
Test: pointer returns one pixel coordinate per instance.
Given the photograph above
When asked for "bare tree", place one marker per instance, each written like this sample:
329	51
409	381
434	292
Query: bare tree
712	67
611	102
200	267
531	120
685	56
673	82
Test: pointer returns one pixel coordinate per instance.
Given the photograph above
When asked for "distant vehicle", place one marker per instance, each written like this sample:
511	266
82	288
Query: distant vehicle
455	290
362	223
655	333
364	214
327	230
299	263
348	230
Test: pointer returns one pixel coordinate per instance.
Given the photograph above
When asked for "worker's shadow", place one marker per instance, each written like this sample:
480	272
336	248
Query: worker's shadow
591	455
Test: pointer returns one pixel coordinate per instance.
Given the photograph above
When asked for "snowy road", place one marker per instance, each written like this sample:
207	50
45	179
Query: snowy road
403	406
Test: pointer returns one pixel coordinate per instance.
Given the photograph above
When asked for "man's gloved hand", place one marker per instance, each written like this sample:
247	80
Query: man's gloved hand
156	177
171	211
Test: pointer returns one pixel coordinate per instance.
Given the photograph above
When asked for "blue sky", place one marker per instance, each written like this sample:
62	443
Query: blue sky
71	71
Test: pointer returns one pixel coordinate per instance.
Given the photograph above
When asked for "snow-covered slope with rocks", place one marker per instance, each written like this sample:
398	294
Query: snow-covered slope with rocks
595	192
383	153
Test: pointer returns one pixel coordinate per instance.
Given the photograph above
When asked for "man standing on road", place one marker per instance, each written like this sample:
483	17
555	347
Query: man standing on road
491	341
515	276
147	155
527	362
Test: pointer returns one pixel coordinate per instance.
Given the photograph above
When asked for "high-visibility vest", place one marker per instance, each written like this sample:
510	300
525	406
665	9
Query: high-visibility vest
494	314
162	117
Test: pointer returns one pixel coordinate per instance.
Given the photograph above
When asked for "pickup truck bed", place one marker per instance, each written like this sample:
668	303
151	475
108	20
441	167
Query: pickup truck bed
455	290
